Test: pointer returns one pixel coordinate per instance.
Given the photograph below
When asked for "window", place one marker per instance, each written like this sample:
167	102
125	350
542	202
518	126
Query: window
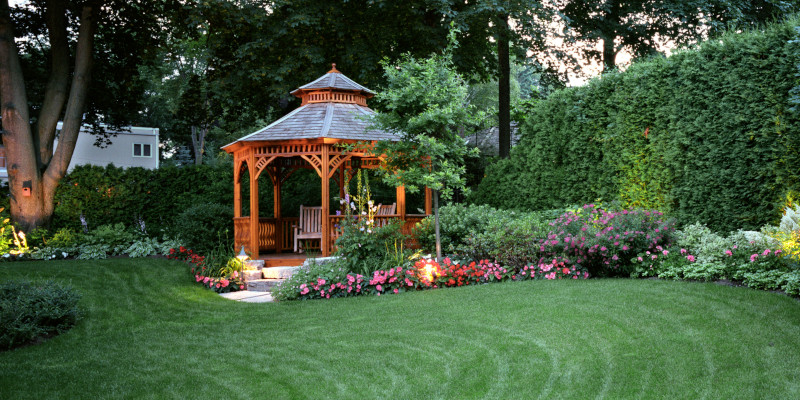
142	150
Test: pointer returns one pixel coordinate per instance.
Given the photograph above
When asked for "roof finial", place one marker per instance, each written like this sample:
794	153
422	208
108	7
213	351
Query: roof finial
333	69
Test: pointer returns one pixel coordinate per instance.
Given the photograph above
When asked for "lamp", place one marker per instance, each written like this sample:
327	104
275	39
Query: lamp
242	256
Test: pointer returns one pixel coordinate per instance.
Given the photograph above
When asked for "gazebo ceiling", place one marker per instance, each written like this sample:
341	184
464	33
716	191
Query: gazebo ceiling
334	107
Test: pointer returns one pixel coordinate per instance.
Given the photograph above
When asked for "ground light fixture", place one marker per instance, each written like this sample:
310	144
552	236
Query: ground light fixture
242	257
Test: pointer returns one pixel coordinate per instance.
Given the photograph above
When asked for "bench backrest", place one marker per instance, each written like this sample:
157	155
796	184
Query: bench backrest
310	219
387	210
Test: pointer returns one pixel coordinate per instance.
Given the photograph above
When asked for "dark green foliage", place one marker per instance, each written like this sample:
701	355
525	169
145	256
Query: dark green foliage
204	225
364	252
29	311
706	134
457	222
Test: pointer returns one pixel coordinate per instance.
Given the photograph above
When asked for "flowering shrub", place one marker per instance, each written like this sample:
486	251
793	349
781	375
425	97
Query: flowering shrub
603	243
557	268
221	280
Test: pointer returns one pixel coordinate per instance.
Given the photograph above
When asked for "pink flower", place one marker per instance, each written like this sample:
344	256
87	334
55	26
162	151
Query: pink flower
320	281
665	252
728	253
690	258
639	258
241	287
753	257
683	251
380	289
625	248
396	291
766	252
225	282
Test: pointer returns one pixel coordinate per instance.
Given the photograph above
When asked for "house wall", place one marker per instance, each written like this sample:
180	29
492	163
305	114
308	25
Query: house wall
119	152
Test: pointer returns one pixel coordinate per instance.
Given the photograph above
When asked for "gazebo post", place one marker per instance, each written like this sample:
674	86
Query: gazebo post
253	206
428	202
325	243
401	201
276	207
237	190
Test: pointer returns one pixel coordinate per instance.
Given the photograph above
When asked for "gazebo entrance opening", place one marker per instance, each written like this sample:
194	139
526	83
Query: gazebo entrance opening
332	112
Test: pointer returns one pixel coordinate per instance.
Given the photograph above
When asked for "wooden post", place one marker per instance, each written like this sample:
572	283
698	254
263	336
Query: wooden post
325	243
237	190
276	209
237	200
253	205
342	171
428	203
401	201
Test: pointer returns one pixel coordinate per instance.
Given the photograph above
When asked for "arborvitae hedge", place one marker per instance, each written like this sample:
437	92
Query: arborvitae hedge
705	135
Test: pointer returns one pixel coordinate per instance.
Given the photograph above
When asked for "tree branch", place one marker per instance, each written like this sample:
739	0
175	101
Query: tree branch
73	116
56	92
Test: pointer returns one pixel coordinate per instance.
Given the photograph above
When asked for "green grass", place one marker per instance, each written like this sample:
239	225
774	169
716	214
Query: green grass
149	331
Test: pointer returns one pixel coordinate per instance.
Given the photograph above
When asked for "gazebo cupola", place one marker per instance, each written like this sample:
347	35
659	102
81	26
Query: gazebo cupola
333	111
333	87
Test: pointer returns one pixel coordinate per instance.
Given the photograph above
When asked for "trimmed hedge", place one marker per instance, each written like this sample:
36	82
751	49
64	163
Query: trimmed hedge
706	134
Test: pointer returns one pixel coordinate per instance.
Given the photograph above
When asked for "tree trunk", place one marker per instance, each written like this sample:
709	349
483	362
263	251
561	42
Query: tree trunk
504	89
32	179
609	54
198	143
436	226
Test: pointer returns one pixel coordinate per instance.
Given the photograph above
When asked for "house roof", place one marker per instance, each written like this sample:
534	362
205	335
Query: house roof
333	117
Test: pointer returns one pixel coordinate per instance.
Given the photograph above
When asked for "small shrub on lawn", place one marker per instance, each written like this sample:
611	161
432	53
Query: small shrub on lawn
30	311
116	238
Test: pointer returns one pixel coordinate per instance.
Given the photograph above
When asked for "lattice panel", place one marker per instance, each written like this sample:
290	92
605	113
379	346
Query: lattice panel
334	97
315	162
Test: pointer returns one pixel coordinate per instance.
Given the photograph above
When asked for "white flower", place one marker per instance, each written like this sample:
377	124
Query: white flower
22	235
64	254
370	203
7	255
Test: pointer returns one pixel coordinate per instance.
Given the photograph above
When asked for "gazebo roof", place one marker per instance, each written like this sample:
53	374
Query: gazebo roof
333	107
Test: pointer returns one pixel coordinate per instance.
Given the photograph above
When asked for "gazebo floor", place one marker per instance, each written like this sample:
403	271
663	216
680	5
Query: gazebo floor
282	259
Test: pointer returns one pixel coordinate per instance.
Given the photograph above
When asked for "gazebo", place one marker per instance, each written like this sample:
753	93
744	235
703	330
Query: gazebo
333	111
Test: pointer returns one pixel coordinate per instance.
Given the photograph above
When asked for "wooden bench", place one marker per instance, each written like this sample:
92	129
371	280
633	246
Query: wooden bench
309	225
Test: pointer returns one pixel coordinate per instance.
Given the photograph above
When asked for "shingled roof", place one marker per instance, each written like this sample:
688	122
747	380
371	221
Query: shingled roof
334	106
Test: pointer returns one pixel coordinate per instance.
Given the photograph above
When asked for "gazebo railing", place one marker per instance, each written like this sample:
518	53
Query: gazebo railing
267	233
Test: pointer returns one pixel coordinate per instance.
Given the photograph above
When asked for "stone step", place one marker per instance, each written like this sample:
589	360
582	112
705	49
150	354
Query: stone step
278	272
262	285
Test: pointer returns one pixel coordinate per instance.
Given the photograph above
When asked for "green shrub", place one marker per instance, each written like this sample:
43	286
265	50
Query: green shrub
456	223
65	238
366	250
93	251
203	226
511	239
29	311
332	272
116	237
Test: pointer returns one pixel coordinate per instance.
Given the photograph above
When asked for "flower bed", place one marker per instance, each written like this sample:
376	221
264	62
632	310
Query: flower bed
220	280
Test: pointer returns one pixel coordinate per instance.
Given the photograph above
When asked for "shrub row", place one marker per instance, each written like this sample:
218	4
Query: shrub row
707	134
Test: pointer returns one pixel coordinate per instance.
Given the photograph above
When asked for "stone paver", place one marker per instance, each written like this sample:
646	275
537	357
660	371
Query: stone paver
247	296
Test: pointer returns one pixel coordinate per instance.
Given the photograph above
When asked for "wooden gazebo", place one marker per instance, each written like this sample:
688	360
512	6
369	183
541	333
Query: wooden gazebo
333	111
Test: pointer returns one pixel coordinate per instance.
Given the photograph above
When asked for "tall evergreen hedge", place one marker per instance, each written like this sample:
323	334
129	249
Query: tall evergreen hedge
706	134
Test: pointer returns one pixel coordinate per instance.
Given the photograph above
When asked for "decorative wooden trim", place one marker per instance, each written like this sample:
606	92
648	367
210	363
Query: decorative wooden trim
315	162
336	162
333	96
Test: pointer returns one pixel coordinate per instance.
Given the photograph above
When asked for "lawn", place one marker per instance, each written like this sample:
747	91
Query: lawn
150	331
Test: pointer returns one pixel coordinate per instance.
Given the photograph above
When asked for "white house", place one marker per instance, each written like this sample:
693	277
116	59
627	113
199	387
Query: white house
135	148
